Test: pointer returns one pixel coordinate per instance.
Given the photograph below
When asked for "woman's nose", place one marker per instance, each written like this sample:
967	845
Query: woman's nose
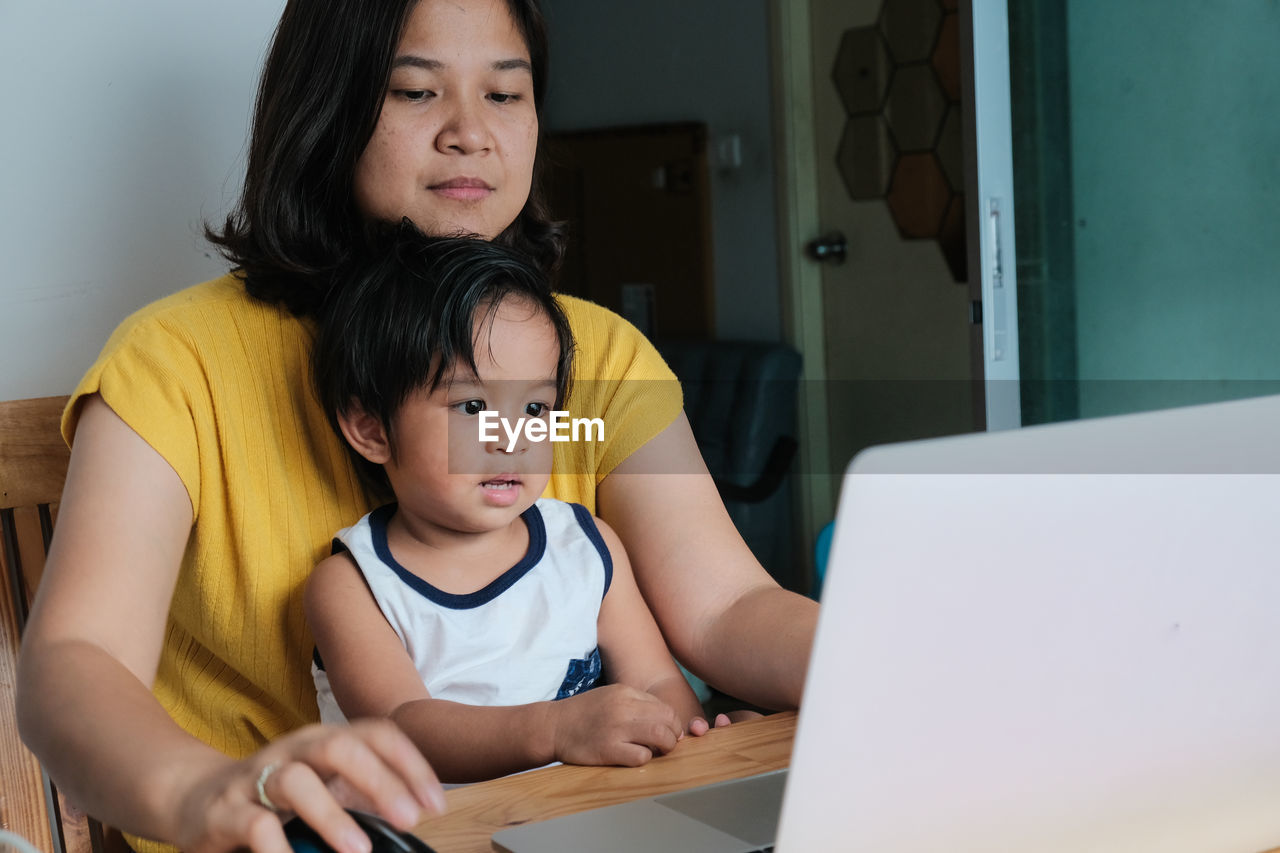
464	130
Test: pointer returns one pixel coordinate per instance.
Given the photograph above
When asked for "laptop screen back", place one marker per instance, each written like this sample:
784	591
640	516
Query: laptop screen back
1078	652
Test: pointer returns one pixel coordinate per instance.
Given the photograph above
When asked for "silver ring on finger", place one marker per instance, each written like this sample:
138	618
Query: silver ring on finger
262	786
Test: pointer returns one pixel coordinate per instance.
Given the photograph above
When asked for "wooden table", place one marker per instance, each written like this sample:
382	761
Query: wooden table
477	811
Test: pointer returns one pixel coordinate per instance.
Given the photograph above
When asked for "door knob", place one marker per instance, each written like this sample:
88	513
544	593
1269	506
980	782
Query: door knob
830	248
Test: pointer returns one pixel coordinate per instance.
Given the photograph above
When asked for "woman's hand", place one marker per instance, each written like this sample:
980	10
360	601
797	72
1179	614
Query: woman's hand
314	773
700	726
739	716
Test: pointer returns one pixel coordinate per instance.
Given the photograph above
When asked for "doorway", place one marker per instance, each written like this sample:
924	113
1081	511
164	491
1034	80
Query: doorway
889	332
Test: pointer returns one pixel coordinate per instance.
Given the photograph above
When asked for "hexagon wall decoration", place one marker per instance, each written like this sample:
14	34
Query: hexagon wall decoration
862	70
866	156
899	82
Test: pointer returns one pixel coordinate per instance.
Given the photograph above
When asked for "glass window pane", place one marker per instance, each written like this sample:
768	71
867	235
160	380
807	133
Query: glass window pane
1145	139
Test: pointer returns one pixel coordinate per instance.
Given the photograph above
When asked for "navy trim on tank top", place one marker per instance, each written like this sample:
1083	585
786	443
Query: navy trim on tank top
537	547
588	525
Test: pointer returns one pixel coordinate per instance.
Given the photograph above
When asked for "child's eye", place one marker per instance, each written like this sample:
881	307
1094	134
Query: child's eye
535	410
469	407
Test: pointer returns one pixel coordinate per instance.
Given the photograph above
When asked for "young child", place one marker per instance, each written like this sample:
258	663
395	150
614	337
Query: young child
477	616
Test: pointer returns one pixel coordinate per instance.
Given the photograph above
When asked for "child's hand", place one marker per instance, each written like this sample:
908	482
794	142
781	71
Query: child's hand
613	724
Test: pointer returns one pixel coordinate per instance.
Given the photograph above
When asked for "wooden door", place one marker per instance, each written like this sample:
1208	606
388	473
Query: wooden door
872	132
636	201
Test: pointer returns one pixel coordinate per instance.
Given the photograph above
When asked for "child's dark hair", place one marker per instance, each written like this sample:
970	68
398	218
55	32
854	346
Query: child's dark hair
404	318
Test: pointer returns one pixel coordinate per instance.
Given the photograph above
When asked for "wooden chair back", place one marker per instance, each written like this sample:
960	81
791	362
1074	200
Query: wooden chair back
33	468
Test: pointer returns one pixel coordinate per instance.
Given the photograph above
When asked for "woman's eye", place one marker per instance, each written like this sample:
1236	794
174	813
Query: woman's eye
470	407
413	95
504	97
535	410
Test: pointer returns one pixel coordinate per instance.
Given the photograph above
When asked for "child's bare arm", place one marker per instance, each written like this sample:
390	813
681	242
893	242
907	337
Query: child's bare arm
632	647
372	675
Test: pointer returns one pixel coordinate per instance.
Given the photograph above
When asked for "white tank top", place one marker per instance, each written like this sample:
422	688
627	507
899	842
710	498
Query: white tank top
529	636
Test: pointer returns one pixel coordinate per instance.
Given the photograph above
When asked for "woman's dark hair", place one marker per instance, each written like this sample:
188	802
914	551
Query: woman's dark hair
405	321
319	99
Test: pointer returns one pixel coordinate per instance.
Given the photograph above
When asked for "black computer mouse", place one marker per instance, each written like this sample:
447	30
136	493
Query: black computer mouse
385	837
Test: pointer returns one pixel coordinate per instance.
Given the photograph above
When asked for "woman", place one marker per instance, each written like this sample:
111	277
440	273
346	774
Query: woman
205	482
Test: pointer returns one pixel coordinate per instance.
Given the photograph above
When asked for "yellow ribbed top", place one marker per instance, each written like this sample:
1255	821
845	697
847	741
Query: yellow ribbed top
219	384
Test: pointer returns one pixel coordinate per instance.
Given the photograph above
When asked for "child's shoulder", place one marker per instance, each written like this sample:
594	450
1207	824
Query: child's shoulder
560	515
361	535
554	510
333	578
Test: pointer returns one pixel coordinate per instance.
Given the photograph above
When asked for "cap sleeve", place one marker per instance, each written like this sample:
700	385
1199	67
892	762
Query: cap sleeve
150	374
620	377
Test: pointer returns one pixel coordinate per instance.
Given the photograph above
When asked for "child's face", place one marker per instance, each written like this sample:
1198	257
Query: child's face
443	475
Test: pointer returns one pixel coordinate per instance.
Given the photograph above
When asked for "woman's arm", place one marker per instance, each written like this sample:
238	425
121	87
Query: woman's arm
89	657
719	610
372	675
632	647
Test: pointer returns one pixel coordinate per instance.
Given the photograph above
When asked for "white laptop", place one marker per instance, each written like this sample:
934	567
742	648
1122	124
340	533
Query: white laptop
1060	638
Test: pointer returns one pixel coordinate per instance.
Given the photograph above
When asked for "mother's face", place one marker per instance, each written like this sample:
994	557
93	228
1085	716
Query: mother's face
455	142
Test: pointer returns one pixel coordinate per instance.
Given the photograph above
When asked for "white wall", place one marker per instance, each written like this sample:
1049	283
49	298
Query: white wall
124	125
619	63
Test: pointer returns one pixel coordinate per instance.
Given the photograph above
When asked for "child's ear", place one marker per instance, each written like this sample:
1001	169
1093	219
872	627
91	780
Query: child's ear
366	435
